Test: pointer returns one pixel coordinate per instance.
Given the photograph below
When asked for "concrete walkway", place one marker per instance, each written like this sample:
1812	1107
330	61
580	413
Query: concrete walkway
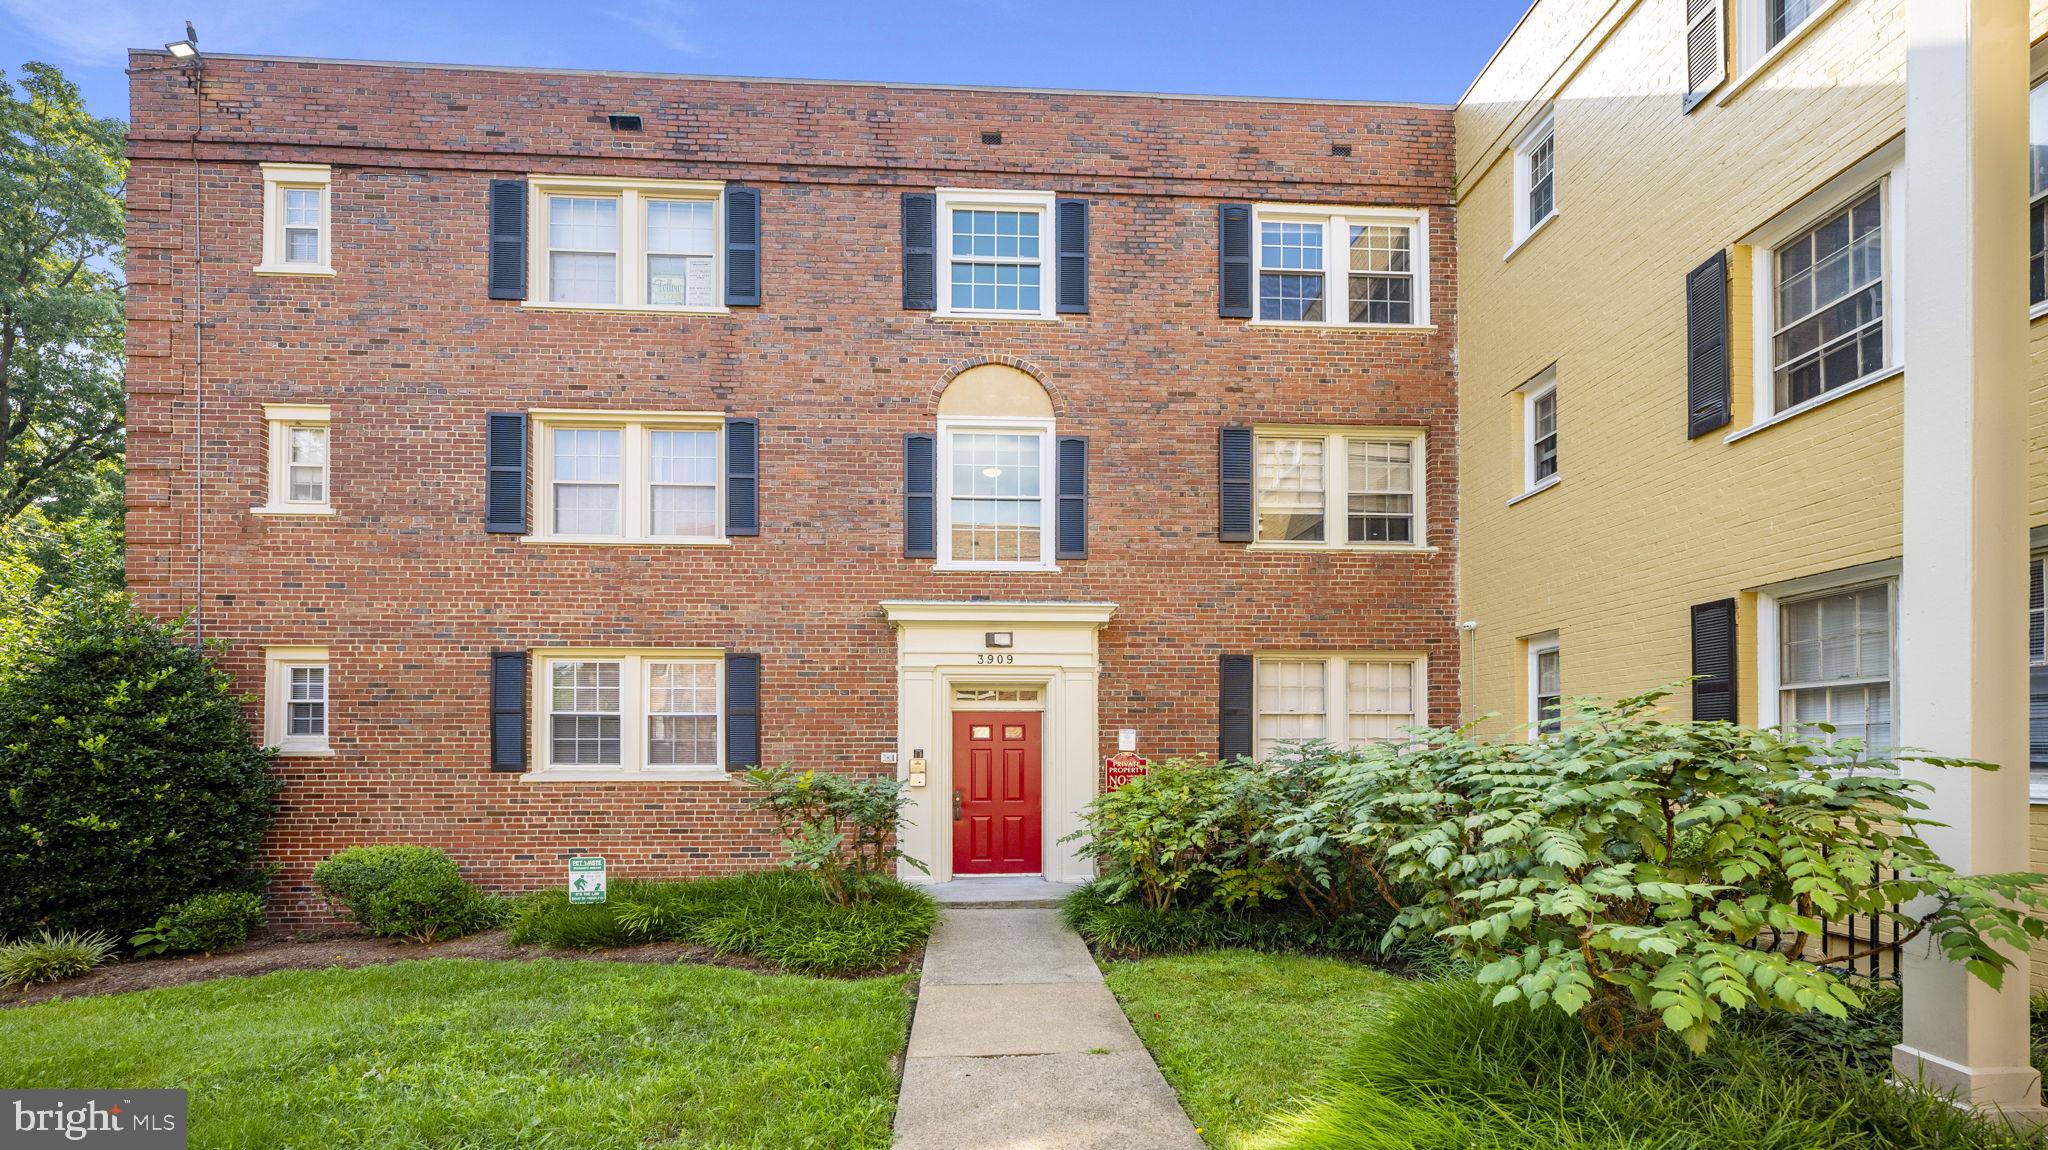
1018	1045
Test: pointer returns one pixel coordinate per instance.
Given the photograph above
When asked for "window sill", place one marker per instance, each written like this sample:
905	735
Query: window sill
986	568
1539	489
1274	545
1822	400
610	775
2037	794
288	510
585	541
315	270
989	317
1531	234
1303	325
1779	51
305	752
621	308
2040	309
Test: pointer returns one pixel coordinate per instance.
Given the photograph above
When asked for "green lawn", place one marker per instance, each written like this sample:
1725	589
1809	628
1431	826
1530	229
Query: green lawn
464	1053
1241	1035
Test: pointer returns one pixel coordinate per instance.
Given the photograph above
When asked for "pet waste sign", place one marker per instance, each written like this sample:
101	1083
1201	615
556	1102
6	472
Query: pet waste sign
586	879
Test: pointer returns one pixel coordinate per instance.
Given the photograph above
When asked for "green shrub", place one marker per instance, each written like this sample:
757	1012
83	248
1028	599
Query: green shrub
1444	1070
1645	875
403	891
782	917
53	957
128	778
1130	929
841	828
218	921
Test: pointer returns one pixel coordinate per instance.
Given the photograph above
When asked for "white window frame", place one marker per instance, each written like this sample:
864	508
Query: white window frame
277	180
1541	387
1336	686
1537	646
1753	49
633	714
1770	600
279	421
1048	481
630	270
1337	487
278	663
2037	90
1336	223
635	497
970	199
2037	571
1544	128
1883	169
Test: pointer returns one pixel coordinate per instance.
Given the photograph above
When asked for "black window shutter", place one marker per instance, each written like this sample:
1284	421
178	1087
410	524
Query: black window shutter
1072	518
1234	256
1234	706
1234	475
505	472
742	712
508	710
1071	224
1713	661
742	477
920	251
508	239
1706	347
920	497
742	247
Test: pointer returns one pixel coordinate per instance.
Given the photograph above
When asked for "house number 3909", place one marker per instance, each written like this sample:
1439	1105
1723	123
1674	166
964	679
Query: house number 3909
986	658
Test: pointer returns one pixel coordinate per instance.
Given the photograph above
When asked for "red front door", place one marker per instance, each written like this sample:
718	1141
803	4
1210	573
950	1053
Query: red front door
995	793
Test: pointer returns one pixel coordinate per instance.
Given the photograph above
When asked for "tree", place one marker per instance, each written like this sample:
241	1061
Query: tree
1646	876
61	308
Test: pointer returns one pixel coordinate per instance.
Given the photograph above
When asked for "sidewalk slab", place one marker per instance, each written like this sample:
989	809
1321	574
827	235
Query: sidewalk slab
986	1021
1013	946
1045	1102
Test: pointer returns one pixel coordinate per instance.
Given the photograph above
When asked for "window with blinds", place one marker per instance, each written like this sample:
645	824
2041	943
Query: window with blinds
1835	665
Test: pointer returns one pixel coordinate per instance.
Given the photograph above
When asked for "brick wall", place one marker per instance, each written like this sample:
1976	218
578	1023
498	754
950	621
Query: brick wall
409	594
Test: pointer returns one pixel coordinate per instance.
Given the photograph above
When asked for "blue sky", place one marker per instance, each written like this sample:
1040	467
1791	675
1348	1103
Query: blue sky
1346	49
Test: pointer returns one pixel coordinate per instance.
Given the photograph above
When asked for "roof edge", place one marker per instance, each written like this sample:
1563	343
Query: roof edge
879	84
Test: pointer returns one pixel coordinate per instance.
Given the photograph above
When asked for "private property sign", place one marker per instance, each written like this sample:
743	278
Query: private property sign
586	879
1122	767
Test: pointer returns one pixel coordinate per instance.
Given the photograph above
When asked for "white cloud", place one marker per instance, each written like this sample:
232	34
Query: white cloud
98	33
663	21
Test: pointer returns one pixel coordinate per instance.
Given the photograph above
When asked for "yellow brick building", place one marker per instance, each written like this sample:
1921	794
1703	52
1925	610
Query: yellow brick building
1608	153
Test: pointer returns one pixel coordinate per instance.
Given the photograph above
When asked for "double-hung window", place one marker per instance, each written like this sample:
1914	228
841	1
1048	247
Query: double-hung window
1351	267
2037	675
299	473
296	705
629	478
1539	421
296	239
1347	699
994	252
612	712
2037	192
1318	487
994	476
1830	307
1535	177
645	245
1835	665
1546	686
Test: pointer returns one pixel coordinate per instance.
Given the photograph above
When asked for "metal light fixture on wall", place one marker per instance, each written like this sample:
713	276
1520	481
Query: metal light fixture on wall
186	49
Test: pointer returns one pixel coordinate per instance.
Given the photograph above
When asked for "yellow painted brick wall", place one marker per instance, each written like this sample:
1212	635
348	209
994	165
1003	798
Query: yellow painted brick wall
1645	522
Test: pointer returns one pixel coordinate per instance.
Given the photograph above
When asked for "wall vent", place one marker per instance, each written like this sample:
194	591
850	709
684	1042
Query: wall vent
991	137
624	122
1340	149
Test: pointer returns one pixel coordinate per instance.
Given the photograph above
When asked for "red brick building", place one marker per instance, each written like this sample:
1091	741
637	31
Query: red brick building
659	425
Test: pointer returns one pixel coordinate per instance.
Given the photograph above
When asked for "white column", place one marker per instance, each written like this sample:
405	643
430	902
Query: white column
1962	660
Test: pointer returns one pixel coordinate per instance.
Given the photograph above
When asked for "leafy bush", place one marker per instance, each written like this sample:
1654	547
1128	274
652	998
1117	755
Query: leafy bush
1444	1070
783	917
1130	929
842	828
1644	875
218	921
128	778
53	957
404	891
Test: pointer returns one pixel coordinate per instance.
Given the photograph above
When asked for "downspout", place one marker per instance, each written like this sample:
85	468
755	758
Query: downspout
196	77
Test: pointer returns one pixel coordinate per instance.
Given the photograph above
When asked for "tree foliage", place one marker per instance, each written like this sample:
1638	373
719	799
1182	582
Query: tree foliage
1646	875
61	308
840	828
